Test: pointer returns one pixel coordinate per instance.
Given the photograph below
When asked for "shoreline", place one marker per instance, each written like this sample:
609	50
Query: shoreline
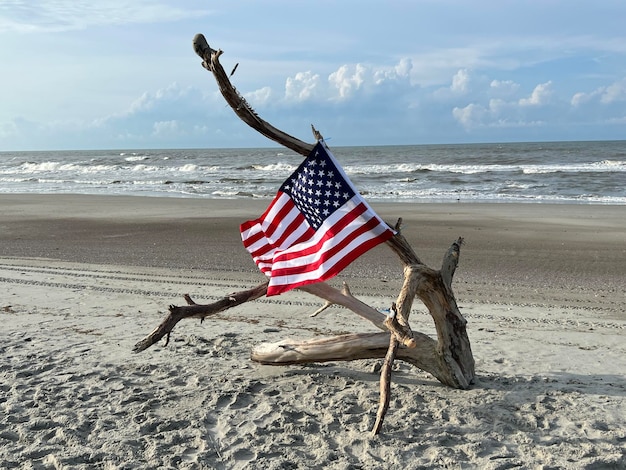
569	255
257	199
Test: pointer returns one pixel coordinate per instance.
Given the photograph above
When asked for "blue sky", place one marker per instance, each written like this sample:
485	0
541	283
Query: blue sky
122	73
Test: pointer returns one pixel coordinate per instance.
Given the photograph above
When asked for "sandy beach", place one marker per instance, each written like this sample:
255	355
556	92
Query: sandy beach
83	278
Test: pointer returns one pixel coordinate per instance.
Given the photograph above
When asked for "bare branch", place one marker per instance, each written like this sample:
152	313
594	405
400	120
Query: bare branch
345	290
385	384
194	310
450	262
345	298
239	104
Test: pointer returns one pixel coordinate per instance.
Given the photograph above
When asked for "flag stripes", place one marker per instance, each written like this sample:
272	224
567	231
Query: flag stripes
316	226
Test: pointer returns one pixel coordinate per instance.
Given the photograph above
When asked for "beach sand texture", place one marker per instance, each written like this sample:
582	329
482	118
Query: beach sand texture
83	278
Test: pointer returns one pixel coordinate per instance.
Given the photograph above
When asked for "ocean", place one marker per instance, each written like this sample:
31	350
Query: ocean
546	172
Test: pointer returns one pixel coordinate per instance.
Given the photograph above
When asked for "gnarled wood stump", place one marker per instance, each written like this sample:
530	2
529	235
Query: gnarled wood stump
448	358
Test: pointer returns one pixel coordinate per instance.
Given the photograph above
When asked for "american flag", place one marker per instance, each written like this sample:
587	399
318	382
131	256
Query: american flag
316	225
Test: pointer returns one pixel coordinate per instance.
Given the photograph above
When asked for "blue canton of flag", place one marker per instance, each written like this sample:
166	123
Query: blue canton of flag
318	189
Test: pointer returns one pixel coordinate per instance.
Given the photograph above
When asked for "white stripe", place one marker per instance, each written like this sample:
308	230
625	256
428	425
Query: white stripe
321	233
326	265
264	225
329	244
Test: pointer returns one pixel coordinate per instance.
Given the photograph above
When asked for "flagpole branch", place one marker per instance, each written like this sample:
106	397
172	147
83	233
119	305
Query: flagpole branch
239	104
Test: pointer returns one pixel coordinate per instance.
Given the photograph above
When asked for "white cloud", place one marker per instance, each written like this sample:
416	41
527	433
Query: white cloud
499	106
472	115
434	68
498	114
347	79
581	98
404	67
400	72
504	87
171	93
349	83
490	109
540	96
302	87
460	82
165	128
613	93
259	97
46	16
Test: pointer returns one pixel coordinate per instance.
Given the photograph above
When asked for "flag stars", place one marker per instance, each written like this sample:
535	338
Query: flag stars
317	189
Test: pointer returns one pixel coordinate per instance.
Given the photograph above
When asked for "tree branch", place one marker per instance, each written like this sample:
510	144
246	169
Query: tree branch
385	384
194	310
239	104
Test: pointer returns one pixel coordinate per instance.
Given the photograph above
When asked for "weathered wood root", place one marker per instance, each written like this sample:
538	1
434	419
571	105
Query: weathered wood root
349	347
449	359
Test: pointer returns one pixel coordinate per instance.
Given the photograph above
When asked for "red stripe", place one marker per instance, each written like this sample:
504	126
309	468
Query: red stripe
275	289
298	221
251	223
276	230
332	251
277	219
330	233
252	239
278	244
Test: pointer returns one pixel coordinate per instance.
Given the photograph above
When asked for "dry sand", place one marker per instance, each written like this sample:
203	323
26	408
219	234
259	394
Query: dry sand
83	278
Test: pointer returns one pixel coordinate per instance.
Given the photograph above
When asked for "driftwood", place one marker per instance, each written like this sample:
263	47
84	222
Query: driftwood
448	358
